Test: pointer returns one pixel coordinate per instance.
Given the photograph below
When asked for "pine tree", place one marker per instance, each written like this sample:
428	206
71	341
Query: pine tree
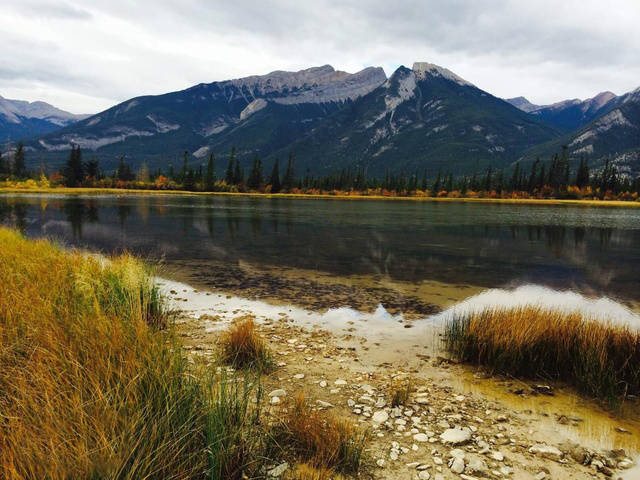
189	180
93	169
437	186
74	171
230	167
288	182
238	174
514	183
449	185
19	169
185	167
488	181
210	177
274	181
582	177
124	172
255	176
4	168
531	184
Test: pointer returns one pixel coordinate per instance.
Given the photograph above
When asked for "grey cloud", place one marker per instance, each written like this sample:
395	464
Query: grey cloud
553	49
48	9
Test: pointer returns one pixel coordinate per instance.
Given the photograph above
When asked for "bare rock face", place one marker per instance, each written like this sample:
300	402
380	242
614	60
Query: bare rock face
312	85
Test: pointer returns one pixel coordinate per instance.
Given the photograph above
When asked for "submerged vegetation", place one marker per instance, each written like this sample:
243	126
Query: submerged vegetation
599	358
93	383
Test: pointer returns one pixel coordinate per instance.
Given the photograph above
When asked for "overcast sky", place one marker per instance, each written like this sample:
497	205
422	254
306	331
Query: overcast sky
85	56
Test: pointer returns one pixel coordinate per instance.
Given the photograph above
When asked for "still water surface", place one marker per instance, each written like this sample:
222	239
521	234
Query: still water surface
592	251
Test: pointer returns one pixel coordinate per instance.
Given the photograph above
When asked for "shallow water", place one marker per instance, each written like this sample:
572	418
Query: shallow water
405	255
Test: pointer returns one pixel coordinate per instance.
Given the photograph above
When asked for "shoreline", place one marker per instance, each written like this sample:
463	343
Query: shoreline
345	371
143	192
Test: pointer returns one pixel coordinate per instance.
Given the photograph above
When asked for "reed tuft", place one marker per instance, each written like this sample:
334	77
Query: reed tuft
599	358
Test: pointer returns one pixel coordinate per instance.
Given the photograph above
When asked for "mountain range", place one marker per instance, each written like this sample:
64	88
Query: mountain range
420	118
20	119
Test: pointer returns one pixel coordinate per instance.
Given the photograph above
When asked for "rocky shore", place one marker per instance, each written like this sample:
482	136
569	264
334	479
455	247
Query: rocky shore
441	432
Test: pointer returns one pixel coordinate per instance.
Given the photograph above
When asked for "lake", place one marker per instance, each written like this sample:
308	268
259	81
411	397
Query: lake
413	257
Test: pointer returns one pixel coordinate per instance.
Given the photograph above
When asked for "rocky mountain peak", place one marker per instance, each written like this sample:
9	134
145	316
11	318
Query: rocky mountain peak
312	85
523	104
423	70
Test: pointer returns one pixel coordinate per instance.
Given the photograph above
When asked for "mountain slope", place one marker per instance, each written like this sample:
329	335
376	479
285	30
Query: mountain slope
569	115
258	114
614	134
421	118
19	119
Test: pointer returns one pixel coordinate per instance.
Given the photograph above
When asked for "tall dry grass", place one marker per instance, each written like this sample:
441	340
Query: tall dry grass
88	387
318	439
599	358
92	386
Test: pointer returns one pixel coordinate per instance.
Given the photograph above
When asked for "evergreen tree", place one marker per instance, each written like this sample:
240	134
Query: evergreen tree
514	183
488	181
424	185
255	176
582	176
4	168
437	185
93	169
531	184
542	178
19	169
124	172
238	174
185	167
172	173
499	183
449	185
229	174
189	180
288	181
74	171
274	181
210	176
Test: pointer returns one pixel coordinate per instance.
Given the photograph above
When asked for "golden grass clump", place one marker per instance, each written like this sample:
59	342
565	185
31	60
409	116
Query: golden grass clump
243	347
400	391
319	439
600	358
304	471
88	387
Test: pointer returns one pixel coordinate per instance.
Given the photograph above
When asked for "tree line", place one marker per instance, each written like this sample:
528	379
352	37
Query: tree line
551	179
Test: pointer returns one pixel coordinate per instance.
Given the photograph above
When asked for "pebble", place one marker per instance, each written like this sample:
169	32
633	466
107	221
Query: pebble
380	417
421	437
278	393
299	376
546	451
340	382
456	436
278	471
